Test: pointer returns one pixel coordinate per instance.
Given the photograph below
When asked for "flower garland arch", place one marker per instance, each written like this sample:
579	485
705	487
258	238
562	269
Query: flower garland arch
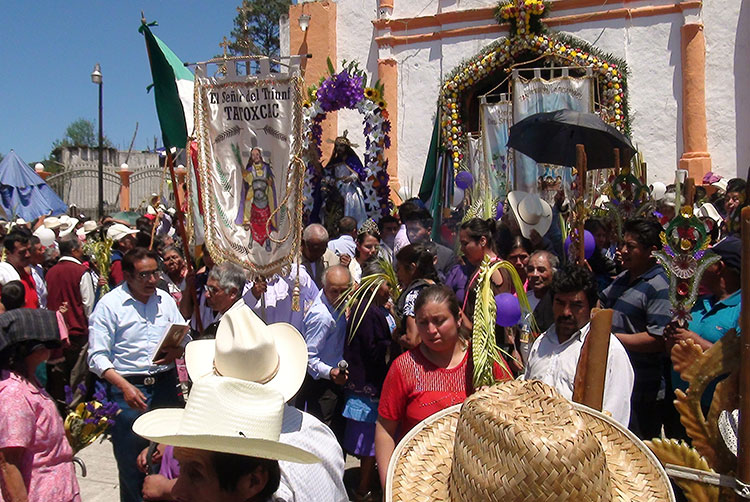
527	35
348	89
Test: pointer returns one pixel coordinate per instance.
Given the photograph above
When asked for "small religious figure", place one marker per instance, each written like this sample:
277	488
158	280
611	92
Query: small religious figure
343	172
257	198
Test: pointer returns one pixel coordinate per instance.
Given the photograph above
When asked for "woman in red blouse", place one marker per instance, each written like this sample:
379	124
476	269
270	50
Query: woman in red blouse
428	378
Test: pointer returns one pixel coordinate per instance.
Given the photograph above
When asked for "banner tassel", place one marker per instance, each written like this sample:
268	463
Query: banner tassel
296	294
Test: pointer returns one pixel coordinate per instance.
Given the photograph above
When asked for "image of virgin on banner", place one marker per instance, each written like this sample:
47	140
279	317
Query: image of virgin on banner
248	131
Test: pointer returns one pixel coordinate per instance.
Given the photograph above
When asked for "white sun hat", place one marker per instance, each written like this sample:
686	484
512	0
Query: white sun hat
225	415
708	210
88	227
658	190
52	222
246	348
118	231
531	212
68	226
46	236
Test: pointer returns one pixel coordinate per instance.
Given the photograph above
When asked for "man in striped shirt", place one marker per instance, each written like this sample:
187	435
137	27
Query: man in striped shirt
639	297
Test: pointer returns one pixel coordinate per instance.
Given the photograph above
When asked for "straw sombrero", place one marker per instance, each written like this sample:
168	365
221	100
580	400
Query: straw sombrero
522	441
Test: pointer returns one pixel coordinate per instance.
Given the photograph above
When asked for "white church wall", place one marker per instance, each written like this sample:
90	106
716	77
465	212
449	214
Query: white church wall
651	46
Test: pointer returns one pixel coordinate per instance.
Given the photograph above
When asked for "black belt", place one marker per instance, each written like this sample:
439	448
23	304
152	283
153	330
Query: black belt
148	379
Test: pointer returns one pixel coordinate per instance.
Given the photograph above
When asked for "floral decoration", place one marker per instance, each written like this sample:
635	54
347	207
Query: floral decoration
348	89
685	258
628	198
89	420
527	37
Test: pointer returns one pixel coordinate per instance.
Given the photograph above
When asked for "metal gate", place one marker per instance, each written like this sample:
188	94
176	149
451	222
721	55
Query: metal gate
80	187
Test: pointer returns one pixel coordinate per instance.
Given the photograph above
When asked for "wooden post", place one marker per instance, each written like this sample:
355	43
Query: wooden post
743	436
617	161
179	221
581	220
591	372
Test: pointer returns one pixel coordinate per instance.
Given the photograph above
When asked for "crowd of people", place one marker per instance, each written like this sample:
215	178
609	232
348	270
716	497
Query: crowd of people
261	401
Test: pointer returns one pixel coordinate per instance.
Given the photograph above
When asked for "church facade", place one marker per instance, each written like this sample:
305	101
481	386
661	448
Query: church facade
688	81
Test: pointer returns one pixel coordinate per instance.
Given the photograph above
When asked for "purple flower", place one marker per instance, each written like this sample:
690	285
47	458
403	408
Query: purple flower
386	126
101	392
68	394
387	142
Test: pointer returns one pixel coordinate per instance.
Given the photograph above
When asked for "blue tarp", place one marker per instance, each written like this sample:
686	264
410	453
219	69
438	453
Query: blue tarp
23	193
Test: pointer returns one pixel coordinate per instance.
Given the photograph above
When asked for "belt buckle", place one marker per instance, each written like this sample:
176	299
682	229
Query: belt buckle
149	380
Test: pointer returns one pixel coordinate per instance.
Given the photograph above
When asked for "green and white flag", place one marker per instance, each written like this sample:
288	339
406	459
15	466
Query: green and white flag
173	90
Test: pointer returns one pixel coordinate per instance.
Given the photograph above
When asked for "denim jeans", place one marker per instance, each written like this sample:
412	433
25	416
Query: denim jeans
126	444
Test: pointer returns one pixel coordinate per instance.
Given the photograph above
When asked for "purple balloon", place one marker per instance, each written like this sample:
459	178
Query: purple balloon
464	180
508	310
589	244
500	210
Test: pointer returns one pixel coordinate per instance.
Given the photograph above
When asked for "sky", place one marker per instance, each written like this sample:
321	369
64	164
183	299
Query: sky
48	49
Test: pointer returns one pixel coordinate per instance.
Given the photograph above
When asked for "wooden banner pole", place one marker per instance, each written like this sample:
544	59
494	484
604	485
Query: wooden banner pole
617	161
581	165
179	221
743	439
689	192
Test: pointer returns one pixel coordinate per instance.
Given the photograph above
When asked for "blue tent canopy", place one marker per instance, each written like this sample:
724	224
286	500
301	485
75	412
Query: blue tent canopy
23	193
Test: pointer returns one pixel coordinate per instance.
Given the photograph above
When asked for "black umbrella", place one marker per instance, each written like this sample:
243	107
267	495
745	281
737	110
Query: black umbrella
551	138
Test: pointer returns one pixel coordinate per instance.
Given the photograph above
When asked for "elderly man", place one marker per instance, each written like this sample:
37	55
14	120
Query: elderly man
272	300
70	284
325	334
554	356
639	297
225	286
345	245
316	257
540	270
125	328
17	258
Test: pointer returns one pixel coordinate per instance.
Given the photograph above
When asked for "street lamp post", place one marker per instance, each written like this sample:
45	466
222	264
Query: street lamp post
96	77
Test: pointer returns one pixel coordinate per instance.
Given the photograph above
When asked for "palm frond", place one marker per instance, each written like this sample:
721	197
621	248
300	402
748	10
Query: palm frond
484	346
363	294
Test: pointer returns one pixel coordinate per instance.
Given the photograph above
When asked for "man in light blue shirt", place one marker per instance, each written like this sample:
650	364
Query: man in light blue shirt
325	335
345	244
125	329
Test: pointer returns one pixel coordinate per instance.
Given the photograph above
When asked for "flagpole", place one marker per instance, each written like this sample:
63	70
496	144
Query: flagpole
179	221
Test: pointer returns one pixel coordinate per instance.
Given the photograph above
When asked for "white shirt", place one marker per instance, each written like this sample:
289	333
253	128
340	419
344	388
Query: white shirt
276	303
37	273
343	245
401	240
310	482
88	289
8	273
555	364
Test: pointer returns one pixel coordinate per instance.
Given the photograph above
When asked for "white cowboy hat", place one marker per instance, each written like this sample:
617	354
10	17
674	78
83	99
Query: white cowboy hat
658	190
531	212
118	231
70	225
225	415
46	236
707	210
52	222
88	227
246	348
521	440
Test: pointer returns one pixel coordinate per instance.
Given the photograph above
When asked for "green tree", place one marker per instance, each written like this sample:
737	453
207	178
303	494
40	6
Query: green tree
81	132
256	27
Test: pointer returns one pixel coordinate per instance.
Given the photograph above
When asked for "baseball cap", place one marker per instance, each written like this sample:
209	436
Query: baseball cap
730	250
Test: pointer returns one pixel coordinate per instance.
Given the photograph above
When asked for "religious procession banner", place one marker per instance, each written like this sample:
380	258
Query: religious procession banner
496	121
539	95
248	135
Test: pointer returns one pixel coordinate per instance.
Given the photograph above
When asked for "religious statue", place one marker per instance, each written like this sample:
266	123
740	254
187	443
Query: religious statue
257	198
343	174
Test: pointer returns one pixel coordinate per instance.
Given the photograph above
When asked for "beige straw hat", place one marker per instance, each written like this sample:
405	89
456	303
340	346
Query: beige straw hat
521	441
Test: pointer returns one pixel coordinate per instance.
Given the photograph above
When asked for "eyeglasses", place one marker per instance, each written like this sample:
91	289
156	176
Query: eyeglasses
213	289
147	274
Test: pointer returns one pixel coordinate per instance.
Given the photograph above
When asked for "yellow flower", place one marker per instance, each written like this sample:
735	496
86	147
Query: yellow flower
381	104
306	104
686	211
372	94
